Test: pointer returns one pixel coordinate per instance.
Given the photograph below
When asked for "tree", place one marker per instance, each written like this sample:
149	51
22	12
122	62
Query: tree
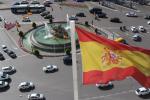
34	25
21	34
68	51
36	52
86	23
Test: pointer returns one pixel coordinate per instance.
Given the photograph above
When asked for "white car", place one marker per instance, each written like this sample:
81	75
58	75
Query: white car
148	22
4	48
141	28
3	84
109	84
134	29
50	68
131	14
26	85
8	69
36	96
142	91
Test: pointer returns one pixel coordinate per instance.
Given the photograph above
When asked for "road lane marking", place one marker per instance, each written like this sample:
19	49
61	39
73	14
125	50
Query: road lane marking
118	93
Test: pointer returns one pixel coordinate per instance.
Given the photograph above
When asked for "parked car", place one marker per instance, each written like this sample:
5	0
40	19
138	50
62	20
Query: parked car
8	69
134	29
80	14
50	68
11	54
95	10
1	56
101	15
136	37
3	84
109	84
45	13
142	29
4	48
36	96
147	17
26	86
73	18
67	60
4	76
131	14
47	3
115	20
26	19
142	91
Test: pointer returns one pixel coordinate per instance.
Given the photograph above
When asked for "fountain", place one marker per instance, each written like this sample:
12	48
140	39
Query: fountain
50	37
48	31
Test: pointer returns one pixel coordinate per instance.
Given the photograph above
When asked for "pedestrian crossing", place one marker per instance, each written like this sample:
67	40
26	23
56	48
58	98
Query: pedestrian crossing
37	22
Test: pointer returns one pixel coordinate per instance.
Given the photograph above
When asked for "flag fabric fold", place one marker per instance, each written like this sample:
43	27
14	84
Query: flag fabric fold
105	60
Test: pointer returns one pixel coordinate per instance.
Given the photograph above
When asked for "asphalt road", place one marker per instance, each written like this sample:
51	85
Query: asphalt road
59	86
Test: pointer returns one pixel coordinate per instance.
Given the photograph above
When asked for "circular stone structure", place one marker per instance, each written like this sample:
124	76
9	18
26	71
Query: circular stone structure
54	43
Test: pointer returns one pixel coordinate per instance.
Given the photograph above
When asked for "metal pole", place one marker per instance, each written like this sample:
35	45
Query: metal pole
74	61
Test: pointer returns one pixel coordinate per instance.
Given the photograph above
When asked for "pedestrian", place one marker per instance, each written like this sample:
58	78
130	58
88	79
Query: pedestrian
92	22
52	8
121	28
96	31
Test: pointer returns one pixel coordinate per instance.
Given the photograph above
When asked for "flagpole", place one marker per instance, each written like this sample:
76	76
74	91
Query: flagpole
74	61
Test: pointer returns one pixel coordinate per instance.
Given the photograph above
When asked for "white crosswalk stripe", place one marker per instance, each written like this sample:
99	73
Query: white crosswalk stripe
37	22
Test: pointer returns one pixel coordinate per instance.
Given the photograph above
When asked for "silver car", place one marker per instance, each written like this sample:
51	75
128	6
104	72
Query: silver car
50	68
26	85
4	76
3	84
36	96
8	69
142	91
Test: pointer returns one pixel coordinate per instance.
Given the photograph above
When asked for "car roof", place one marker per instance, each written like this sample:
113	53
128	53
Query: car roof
142	89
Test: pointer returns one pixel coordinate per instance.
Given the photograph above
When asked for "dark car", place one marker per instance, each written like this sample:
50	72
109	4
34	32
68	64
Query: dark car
24	2
73	18
147	17
101	15
80	15
1	57
48	16
137	37
67	60
95	10
115	20
11	54
47	3
44	13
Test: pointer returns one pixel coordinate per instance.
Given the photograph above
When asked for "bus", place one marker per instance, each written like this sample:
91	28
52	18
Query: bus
25	8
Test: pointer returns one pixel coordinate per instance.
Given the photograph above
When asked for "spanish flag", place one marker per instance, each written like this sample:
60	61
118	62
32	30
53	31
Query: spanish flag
105	60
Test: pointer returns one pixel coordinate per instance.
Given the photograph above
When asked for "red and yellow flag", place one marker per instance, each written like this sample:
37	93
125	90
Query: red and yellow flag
105	60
